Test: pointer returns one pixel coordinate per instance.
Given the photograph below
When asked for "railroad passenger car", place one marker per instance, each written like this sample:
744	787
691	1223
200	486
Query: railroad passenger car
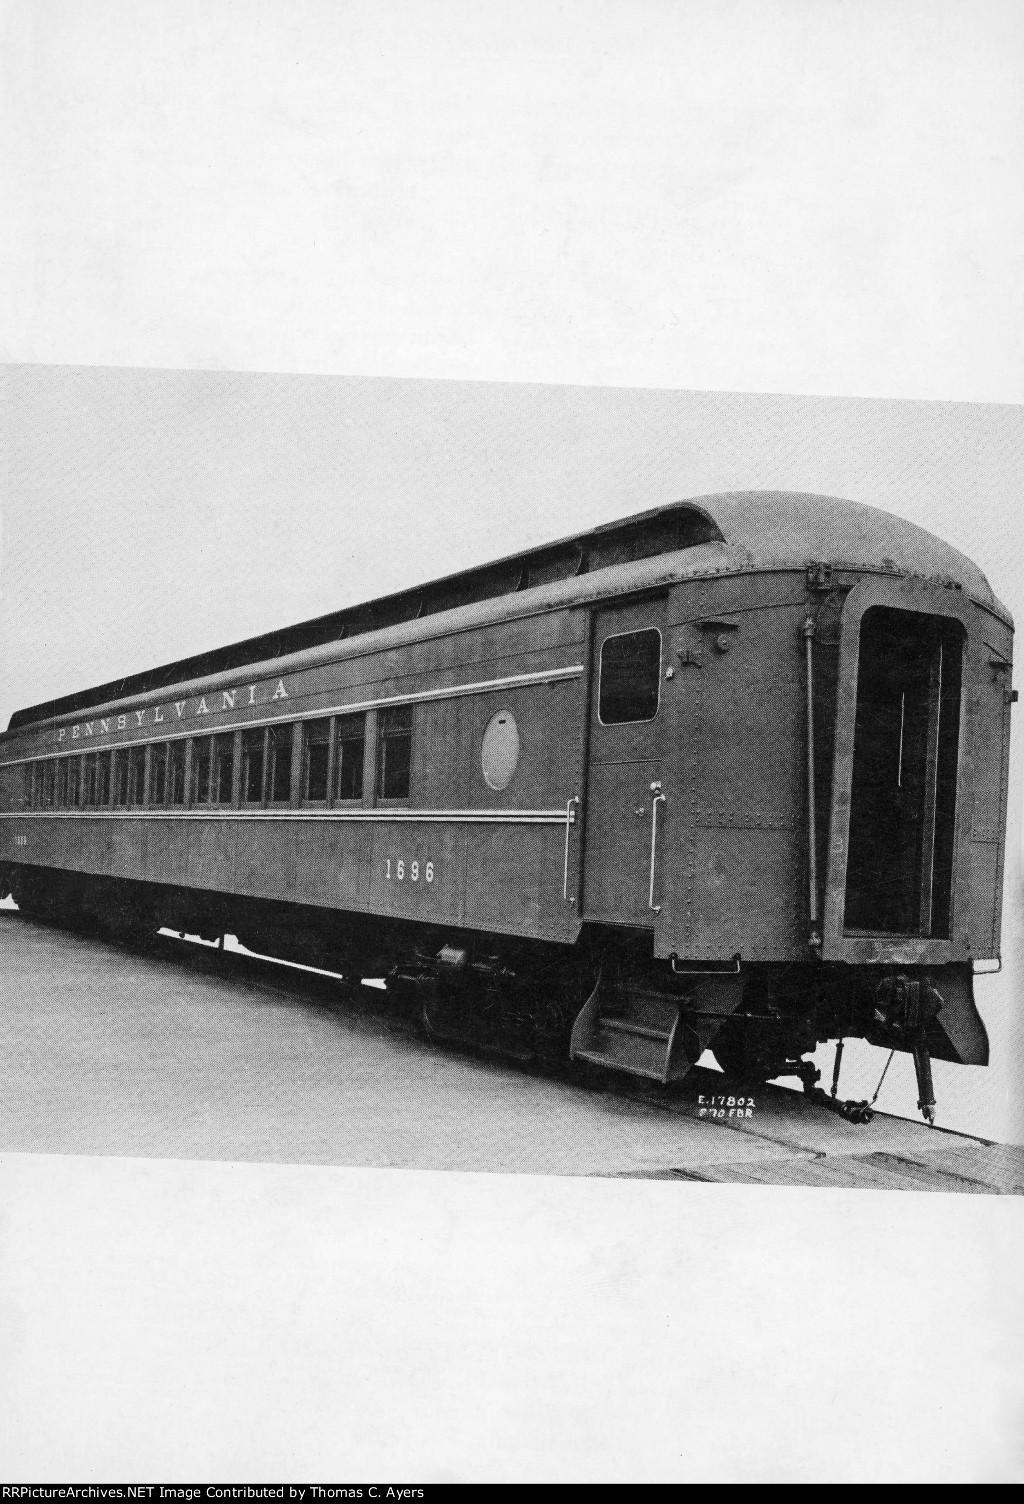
727	774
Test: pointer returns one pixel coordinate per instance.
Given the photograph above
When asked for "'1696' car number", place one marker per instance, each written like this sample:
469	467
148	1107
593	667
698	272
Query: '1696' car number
409	871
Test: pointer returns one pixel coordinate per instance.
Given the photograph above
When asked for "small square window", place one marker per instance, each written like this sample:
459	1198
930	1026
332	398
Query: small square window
630	677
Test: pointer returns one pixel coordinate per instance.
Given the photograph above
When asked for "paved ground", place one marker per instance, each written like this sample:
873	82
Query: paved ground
186	1053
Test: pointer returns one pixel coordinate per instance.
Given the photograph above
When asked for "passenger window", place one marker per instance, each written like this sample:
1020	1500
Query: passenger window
121	778
74	765
224	768
316	746
62	783
350	746
103	779
630	677
176	773
46	791
200	790
89	779
279	763
136	774
252	766
394	752
158	773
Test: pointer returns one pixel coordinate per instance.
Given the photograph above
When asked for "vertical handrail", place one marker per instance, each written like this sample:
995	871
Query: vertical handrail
659	798
812	817
570	818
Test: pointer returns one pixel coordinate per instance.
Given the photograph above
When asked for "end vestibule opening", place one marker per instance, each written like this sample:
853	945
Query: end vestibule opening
899	871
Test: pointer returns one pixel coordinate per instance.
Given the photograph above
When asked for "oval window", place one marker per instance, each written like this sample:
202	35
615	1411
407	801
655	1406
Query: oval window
499	754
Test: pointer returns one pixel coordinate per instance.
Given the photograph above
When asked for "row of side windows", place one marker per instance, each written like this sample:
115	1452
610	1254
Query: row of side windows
318	762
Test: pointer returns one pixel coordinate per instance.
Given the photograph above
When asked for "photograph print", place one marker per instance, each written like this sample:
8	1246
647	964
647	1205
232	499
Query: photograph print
562	780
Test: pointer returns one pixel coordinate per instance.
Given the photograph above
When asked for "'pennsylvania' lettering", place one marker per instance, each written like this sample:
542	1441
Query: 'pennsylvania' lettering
257	694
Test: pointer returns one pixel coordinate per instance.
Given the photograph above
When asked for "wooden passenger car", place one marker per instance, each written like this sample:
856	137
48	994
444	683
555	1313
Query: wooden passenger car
738	762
